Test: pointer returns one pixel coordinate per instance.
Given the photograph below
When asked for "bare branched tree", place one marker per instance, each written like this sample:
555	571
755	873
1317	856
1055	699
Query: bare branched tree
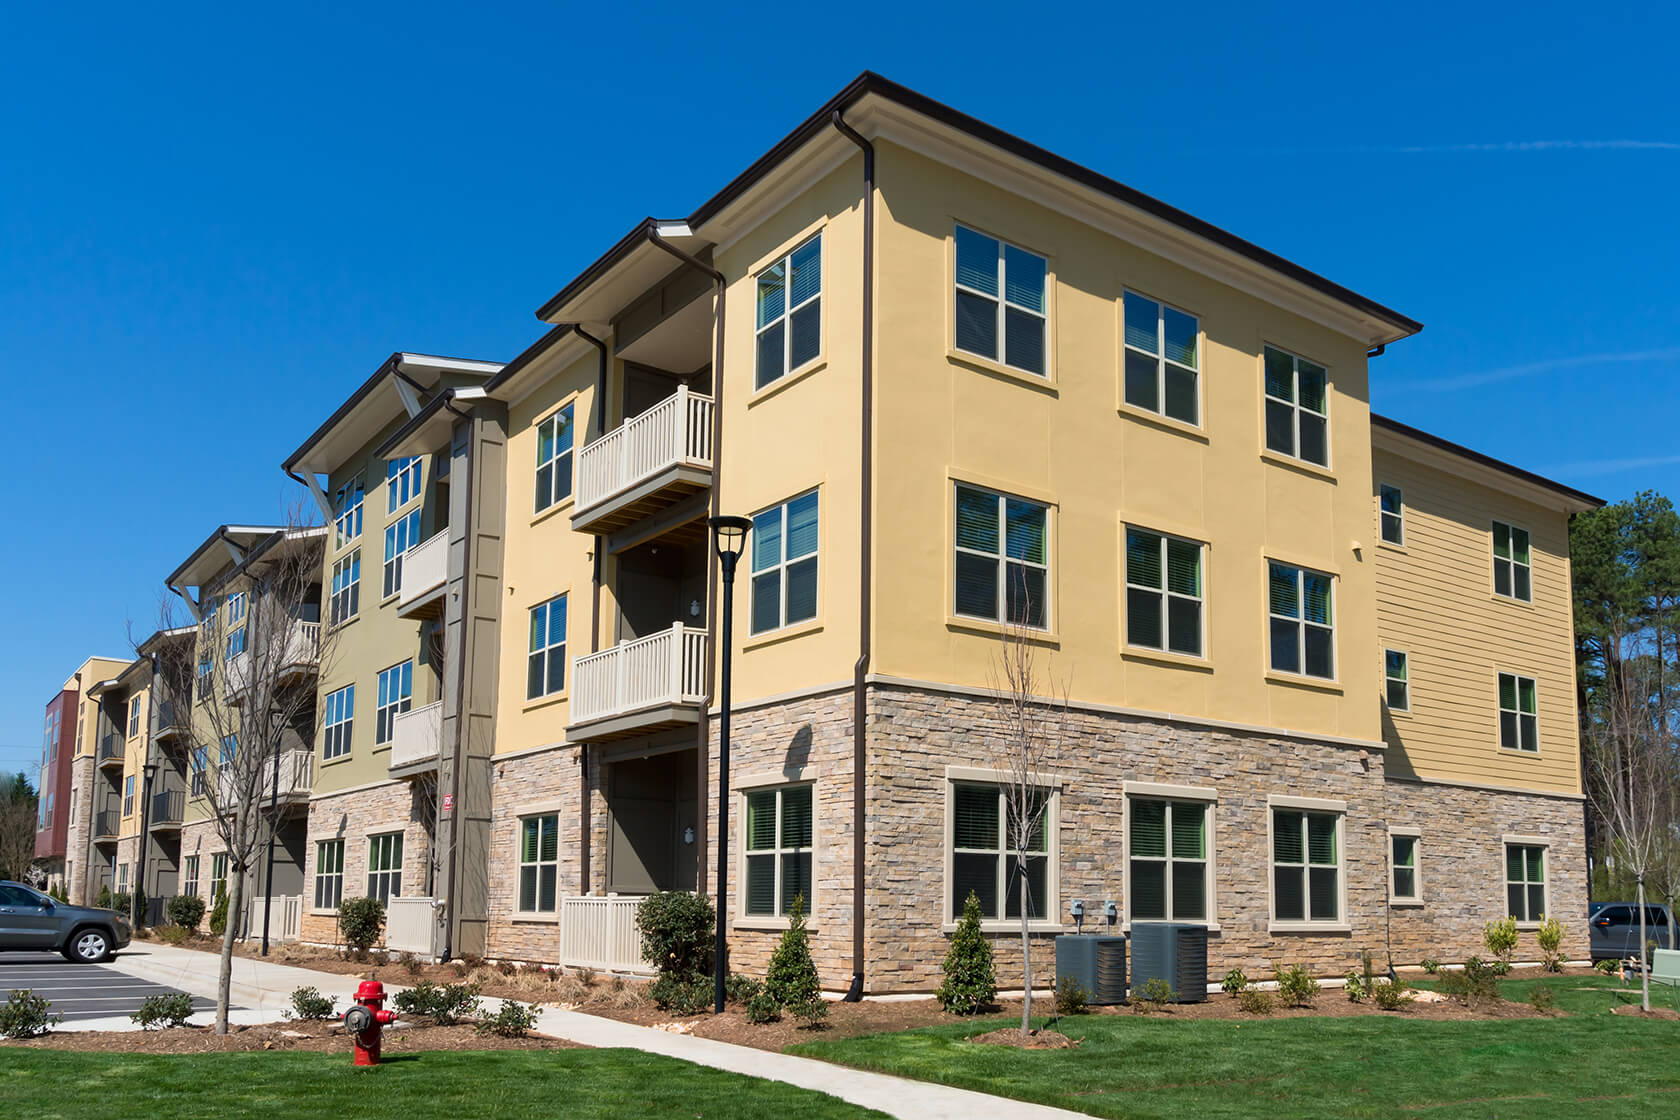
1033	712
1629	762
253	665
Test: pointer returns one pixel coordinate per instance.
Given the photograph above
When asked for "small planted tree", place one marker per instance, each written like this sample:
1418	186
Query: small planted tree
186	910
970	983
792	978
360	922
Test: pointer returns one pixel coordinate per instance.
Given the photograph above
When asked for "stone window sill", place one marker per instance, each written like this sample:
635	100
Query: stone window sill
1309	927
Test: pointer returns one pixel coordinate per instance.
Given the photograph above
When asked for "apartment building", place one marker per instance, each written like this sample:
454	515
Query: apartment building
956	381
56	799
96	778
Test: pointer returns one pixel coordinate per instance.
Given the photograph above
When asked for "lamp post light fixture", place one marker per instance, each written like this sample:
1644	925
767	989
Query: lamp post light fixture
730	534
148	783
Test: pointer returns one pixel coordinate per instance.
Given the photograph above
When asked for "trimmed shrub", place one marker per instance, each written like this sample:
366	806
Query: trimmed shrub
1255	1002
1235	982
309	1003
677	930
1072	997
26	1015
1153	996
174	935
218	914
970	983
1296	986
1542	999
103	901
763	1008
1500	937
1431	966
360	922
1478	982
741	989
446	1005
1390	995
172	1010
513	1020
792	977
1550	937
1609	967
185	910
683	995
1356	989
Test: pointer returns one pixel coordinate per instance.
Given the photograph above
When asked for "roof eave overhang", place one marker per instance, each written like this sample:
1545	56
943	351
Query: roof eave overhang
621	274
1432	450
206	561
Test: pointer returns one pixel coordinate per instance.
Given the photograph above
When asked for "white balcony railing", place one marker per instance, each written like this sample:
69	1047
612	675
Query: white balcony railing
303	650
297	770
664	668
415	735
424	569
599	931
673	433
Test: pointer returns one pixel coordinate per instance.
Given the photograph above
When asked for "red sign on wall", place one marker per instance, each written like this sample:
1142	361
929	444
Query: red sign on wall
448	802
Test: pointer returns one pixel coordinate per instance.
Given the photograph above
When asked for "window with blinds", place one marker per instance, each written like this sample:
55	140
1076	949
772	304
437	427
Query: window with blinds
1519	713
1306	866
784	581
983	860
1167	876
1163	593
1525	881
1161	356
539	863
1000	301
329	874
778	851
1003	558
385	860
789	322
1302	627
1513	576
1403	864
545	659
1297	407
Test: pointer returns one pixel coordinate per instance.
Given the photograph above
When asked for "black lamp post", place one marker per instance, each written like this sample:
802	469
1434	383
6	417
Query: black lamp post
150	770
731	537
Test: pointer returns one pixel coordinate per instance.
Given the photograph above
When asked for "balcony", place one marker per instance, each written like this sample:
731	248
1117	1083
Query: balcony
651	683
168	809
415	737
171	721
425	571
105	824
645	465
302	655
297	770
112	749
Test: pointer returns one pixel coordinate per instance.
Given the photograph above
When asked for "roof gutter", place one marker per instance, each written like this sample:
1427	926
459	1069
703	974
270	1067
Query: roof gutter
860	669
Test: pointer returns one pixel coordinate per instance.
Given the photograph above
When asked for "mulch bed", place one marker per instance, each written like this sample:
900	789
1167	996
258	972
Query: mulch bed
317	1036
1037	1040
1655	1012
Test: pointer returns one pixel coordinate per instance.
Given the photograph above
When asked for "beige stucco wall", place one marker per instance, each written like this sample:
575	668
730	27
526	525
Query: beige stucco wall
1436	604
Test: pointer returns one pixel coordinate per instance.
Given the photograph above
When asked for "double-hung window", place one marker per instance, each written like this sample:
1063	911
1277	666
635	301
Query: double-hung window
1002	558
401	535
1302	628
1512	575
1391	503
128	796
204	682
236	608
218	875
207	620
340	718
539	863
983	859
784	581
1397	686
396	694
1403	867
134	716
329	874
1000	300
554	459
189	877
347	512
385	859
1163	592
778	851
1519	713
347	587
197	762
789	324
1306	866
235	644
229	751
1525	881
402	482
545	662
1162	362
1168	870
1297	407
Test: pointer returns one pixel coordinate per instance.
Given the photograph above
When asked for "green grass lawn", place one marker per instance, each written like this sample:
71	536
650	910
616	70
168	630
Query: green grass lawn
1152	1066
615	1084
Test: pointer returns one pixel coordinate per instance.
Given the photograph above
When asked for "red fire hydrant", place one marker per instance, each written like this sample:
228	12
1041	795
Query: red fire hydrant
365	1020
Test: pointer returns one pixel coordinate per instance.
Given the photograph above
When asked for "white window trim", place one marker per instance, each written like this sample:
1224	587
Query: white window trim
1166	594
1301	623
519	866
1494	561
1152	792
1161	359
414	470
1519	840
1002	559
742	919
398	871
1052	785
1416	835
1307	805
1296	408
315	893
351	564
346	512
1002	301
788	308
569	409
236	608
400	705
1499	710
408	525
1383	515
548	650
782	565
1407	658
349	720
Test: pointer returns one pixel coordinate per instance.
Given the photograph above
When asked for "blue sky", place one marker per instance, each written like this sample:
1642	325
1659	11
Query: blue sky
216	221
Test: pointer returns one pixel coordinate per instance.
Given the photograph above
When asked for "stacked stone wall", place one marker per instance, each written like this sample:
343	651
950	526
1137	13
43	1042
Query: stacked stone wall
353	817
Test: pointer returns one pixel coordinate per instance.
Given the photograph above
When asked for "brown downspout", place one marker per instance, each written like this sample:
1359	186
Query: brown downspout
860	671
585	831
702	737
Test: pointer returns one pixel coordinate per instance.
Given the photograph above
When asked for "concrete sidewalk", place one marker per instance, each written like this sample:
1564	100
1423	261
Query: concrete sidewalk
264	988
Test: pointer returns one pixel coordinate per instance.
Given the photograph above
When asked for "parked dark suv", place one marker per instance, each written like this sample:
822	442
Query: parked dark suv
1615	929
31	920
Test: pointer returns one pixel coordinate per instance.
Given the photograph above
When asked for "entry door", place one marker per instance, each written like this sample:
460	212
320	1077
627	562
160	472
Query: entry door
653	811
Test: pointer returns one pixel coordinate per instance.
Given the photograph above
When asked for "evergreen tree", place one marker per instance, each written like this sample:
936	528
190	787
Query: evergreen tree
970	979
792	978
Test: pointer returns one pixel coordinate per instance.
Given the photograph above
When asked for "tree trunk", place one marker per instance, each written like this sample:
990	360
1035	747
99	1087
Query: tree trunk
1644	956
1026	963
224	981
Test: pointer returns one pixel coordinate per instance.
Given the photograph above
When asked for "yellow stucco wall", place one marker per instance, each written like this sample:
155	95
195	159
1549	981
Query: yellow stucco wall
1436	604
134	758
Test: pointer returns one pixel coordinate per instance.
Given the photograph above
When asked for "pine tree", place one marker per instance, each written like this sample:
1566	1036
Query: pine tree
792	978
970	979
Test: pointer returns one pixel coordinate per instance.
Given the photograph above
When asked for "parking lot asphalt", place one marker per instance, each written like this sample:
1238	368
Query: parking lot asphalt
80	991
